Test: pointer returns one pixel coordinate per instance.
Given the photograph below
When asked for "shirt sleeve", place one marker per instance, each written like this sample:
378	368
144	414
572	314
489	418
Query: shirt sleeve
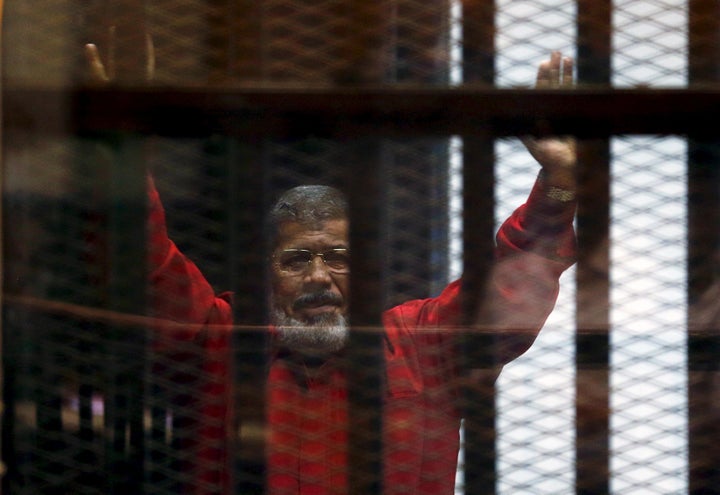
535	245
180	295
192	350
543	225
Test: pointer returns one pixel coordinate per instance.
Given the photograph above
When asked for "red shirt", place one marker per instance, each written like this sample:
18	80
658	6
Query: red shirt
306	436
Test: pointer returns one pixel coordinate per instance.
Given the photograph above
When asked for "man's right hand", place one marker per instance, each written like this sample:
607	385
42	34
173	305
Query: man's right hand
105	72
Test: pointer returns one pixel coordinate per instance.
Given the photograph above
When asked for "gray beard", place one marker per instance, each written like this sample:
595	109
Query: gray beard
325	335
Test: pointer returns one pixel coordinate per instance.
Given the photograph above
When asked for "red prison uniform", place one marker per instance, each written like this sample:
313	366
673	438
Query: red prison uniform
307	417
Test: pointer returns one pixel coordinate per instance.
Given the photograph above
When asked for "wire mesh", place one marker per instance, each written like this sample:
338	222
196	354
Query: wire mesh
91	406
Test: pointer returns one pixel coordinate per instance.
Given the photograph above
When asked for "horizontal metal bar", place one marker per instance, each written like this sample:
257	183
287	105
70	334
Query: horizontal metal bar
385	110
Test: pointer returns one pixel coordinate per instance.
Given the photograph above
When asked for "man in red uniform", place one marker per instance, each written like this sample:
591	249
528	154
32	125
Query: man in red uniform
306	397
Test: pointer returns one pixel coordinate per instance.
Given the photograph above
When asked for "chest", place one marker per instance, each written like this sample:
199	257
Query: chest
308	436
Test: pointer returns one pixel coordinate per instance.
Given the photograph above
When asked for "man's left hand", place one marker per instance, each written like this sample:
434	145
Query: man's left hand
557	155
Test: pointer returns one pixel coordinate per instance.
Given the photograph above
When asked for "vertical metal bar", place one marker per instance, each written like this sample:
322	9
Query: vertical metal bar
363	56
365	362
86	435
47	384
478	349
126	212
247	255
703	244
478	43
10	392
157	462
48	403
592	353
703	323
478	345
2	292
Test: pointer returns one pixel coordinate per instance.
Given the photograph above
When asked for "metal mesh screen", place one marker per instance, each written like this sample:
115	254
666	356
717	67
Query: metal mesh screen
99	399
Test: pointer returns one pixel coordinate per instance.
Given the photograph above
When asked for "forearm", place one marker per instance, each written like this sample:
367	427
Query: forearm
178	290
544	224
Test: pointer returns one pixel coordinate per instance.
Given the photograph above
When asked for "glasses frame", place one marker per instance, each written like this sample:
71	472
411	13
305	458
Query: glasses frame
313	255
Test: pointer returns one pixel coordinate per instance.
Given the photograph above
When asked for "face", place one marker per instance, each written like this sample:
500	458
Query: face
310	306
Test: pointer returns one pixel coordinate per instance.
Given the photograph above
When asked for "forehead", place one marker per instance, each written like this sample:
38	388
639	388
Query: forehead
321	235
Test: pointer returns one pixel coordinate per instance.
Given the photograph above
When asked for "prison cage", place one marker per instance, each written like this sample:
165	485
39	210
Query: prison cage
414	109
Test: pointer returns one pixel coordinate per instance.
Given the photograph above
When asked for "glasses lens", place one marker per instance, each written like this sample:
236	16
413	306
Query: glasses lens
294	260
297	261
337	260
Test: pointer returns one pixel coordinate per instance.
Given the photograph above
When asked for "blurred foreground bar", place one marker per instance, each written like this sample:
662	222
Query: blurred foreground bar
366	110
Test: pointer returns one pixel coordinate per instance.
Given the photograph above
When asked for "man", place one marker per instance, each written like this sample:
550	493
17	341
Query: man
306	397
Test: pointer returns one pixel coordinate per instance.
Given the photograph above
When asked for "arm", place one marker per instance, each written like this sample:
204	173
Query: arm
179	293
537	243
178	290
534	247
192	341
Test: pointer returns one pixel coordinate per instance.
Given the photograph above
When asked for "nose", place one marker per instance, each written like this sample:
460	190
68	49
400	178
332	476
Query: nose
318	271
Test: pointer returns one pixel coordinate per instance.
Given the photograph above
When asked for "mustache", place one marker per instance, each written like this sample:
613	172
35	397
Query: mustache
320	298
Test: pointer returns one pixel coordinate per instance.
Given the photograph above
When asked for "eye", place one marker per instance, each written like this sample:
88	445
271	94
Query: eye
294	260
337	259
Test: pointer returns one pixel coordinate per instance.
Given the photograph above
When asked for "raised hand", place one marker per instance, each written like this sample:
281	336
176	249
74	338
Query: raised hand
105	72
556	154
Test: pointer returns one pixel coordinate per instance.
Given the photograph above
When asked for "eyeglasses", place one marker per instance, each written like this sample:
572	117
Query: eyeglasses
298	261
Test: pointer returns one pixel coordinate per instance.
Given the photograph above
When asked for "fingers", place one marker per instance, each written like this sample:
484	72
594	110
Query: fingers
100	72
103	73
555	72
97	69
554	68
149	57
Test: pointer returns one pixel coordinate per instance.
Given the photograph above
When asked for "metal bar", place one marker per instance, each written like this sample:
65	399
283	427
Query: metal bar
125	208
365	361
126	60
703	324
361	59
478	347
592	351
50	436
247	250
478	43
703	242
10	393
592	354
256	113
157	460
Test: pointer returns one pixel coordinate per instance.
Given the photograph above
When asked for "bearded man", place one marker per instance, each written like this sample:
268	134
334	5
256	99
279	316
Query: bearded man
306	384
